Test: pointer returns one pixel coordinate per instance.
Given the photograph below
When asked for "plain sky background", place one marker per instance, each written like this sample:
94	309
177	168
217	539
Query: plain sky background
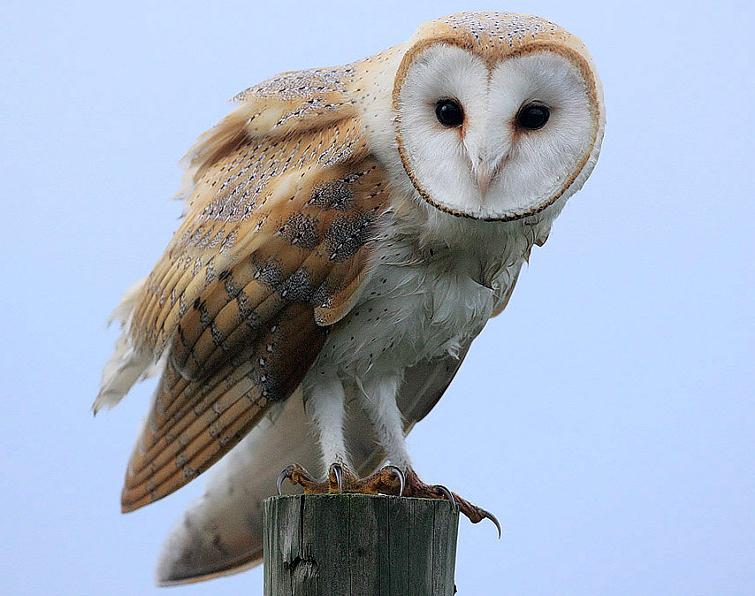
607	417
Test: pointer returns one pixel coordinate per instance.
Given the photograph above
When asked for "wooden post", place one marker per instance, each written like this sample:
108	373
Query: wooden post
360	545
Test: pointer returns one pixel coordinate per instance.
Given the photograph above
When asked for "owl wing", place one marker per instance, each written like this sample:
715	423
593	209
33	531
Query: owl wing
283	200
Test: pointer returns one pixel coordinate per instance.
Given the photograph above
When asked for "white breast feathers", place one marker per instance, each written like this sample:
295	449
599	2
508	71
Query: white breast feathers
425	299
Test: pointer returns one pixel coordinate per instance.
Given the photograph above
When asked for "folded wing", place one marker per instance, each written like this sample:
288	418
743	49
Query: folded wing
283	200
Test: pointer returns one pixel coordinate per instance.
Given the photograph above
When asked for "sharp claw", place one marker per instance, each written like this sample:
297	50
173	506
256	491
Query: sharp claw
491	517
282	477
446	493
338	473
400	475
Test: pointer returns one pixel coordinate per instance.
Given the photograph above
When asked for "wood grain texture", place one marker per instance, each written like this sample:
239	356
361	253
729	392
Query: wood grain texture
339	545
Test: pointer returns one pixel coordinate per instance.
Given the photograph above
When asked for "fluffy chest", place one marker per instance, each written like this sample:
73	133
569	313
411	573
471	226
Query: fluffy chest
434	281
413	308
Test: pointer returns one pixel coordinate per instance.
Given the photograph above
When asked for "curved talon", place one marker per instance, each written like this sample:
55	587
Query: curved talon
400	475
338	473
446	493
491	517
284	475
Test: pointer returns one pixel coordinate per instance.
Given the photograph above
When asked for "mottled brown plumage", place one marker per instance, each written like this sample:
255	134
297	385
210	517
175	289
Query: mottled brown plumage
272	247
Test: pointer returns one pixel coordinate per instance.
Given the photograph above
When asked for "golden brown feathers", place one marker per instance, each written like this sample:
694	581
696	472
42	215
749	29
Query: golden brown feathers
285	198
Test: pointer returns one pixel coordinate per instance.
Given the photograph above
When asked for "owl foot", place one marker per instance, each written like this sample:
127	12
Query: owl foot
416	488
389	480
300	476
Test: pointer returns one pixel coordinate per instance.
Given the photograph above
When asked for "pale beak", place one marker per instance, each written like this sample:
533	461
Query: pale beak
485	176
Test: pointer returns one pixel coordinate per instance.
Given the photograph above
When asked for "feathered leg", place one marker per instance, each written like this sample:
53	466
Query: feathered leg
380	405
380	395
398	478
325	405
324	402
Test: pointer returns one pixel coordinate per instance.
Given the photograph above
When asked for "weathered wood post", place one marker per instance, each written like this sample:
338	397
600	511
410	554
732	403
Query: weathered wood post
360	545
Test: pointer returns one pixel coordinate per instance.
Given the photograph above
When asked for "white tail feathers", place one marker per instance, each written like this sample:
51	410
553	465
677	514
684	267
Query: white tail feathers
222	532
127	365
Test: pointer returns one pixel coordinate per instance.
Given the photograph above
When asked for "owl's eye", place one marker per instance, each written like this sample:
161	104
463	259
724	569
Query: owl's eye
533	116
449	112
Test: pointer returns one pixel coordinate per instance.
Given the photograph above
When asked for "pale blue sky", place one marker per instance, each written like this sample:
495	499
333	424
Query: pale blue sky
607	417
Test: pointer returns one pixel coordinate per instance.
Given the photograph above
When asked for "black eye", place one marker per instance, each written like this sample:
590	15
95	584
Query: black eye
449	112
533	116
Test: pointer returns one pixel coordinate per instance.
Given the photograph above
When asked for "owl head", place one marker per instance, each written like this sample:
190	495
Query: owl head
497	115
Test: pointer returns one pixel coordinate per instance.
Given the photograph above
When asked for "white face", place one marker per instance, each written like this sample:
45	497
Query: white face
494	143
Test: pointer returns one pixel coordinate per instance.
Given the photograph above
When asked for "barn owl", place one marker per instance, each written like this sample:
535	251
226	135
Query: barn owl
348	232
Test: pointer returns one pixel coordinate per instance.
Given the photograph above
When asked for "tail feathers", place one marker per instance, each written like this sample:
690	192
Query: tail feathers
128	364
221	534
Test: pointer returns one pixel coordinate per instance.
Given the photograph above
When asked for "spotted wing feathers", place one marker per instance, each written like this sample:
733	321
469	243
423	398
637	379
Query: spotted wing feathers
273	247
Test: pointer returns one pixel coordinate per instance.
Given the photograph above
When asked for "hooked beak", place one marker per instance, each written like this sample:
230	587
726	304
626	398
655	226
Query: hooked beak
485	176
485	172
486	161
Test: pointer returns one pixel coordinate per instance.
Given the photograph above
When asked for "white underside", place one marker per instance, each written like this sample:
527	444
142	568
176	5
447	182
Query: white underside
420	303
347	409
